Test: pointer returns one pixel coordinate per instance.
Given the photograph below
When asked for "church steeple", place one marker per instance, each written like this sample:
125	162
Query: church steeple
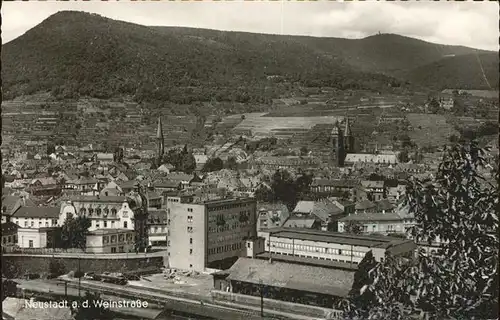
160	141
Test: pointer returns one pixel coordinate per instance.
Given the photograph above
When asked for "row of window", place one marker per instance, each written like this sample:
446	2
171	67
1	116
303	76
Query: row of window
226	248
117	238
40	223
99	211
9	239
319	258
225	227
227	206
158	229
306	248
111	224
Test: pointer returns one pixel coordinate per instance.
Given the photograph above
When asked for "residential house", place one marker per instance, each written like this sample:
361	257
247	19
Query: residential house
128	186
324	213
38	237
379	159
110	241
36	217
379	217
183	178
44	187
104	158
166	168
201	160
112	189
333	187
12	203
155	200
395	194
271	215
158	226
107	212
84	185
375	189
9	234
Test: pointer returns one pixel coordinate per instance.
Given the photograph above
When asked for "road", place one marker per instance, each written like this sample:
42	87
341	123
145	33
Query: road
111	292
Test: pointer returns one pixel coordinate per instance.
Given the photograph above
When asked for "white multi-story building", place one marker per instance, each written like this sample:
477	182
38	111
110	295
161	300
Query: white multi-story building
112	212
209	234
333	246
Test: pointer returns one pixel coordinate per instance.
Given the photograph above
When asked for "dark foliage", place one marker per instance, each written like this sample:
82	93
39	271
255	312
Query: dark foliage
74	231
103	58
214	164
182	160
460	281
285	189
56	267
231	163
353	227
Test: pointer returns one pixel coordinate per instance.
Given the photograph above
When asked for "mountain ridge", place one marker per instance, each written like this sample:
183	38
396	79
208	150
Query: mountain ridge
82	54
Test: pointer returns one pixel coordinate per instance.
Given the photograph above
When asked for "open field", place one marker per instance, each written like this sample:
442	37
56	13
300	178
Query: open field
259	124
430	129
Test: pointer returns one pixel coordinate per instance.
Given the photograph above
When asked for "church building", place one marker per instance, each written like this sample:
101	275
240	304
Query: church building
342	142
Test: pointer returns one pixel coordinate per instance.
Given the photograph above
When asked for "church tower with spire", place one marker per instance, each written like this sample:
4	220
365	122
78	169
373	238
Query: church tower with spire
160	141
338	148
348	138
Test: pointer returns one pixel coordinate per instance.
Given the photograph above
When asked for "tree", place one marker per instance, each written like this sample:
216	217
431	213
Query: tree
56	267
460	281
353	227
74	232
214	164
264	194
231	163
89	308
403	156
434	106
304	151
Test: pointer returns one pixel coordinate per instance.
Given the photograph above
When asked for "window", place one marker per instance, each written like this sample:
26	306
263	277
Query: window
190	240
190	265
125	224
190	209
39	223
46	224
190	251
156	230
105	224
4	240
112	224
248	245
97	224
105	239
30	243
113	250
121	249
25	223
190	229
32	224
190	218
340	252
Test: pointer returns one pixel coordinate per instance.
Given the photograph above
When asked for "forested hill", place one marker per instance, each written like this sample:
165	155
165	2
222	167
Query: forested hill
80	54
472	71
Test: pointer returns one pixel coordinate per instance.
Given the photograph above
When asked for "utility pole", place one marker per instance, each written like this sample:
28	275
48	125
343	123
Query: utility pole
80	277
66	290
261	299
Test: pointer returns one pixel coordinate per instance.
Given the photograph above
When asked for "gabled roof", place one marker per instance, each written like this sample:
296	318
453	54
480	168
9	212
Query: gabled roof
365	204
13	203
292	276
37	212
390	216
300	222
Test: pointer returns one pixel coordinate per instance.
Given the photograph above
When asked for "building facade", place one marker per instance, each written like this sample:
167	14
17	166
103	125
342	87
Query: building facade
110	241
332	246
208	234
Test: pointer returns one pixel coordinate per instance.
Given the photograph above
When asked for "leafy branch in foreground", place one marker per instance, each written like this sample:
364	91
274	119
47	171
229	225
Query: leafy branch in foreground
460	281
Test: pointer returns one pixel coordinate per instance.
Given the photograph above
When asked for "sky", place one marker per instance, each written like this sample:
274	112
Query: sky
472	24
